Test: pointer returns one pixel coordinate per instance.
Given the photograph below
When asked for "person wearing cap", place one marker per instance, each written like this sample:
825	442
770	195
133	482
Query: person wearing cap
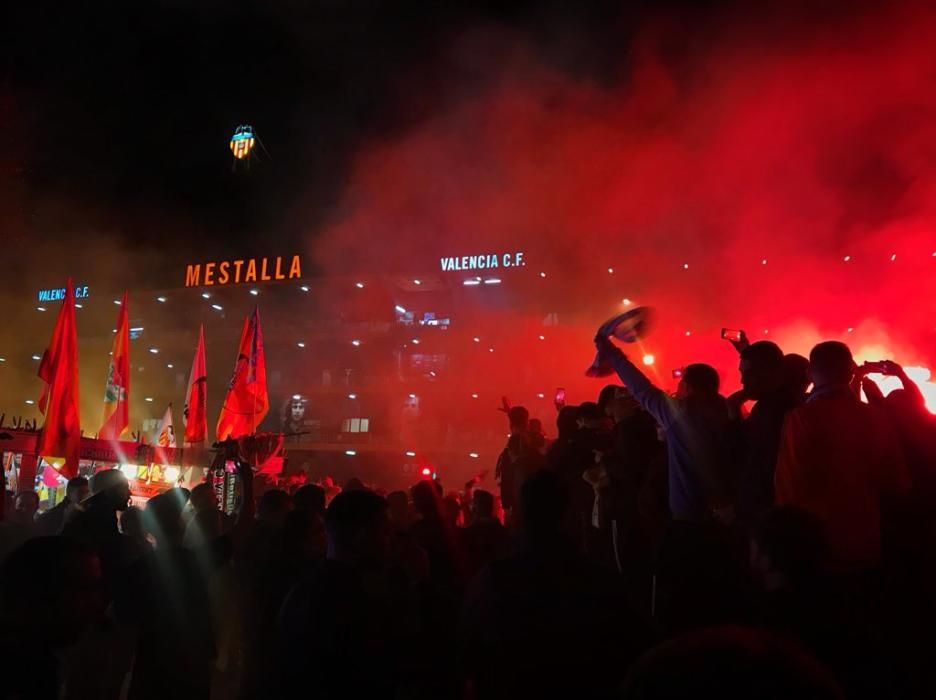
53	520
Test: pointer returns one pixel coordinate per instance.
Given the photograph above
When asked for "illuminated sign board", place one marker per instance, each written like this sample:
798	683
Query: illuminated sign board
58	293
484	261
227	272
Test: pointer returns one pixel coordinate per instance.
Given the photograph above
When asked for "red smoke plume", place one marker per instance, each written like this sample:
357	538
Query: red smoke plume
792	140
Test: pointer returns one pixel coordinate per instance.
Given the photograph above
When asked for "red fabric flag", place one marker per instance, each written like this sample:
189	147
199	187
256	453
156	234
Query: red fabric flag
60	439
195	411
247	402
117	389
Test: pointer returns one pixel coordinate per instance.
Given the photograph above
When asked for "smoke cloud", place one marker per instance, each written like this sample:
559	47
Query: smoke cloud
723	171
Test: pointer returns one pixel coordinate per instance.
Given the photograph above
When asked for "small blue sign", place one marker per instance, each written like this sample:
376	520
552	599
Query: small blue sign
58	294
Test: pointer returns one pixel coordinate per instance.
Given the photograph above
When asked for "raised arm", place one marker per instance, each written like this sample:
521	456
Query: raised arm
892	369
653	399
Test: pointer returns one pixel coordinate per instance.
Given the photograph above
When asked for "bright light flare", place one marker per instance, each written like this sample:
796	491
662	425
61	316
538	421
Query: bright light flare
648	359
129	470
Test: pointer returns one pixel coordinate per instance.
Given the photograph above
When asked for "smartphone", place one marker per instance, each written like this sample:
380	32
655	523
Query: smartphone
678	373
732	335
875	367
560	398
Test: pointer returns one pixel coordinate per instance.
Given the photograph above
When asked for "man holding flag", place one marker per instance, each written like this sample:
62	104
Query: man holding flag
247	402
60	439
117	390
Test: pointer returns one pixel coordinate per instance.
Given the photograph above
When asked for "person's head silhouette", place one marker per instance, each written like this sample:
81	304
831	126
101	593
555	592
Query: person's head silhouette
830	364
699	381
761	369
358	528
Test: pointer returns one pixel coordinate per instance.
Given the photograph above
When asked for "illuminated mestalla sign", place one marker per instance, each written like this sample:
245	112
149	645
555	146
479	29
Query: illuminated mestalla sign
58	293
243	271
484	261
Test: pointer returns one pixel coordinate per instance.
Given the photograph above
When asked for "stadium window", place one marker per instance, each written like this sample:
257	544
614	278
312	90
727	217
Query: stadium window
355	425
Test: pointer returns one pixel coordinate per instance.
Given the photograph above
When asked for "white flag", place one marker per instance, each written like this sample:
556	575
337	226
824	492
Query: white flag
166	435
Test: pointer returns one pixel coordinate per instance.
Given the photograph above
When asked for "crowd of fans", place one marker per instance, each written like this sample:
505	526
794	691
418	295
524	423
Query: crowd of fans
777	543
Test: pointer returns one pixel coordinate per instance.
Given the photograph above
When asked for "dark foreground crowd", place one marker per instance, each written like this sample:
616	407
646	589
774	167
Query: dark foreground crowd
659	547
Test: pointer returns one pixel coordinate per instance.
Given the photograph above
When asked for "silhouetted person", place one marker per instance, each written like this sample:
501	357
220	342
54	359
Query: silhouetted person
504	472
545	623
840	461
729	663
592	439
632	525
20	524
438	537
796	375
559	452
536	435
132	525
354	484
915	426
203	497
303	546
401	515
96	524
345	625
405	550
695	575
484	539
311	498
697	432
763	381
263	535
53	520
51	593
169	603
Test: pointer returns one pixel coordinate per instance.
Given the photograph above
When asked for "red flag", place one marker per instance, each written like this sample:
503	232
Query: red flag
195	411
60	439
247	401
117	389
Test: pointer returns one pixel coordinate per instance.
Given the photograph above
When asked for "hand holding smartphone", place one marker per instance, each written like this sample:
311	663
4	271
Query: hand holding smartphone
732	335
738	338
560	399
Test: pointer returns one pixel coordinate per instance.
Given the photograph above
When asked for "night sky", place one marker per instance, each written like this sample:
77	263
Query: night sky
116	117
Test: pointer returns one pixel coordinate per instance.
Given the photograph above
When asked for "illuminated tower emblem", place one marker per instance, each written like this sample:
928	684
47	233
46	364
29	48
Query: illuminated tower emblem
242	142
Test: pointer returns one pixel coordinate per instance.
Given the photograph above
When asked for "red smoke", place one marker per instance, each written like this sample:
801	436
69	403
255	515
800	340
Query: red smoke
795	140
